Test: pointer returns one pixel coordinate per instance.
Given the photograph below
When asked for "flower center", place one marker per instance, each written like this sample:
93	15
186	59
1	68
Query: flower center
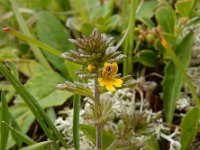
109	71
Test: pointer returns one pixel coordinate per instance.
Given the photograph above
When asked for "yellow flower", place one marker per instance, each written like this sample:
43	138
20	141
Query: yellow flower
91	68
108	78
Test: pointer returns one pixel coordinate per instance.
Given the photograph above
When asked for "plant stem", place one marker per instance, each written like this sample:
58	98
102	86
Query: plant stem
76	106
129	42
31	40
98	115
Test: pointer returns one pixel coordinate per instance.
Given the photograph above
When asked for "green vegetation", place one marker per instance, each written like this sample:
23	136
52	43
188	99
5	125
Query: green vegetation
110	74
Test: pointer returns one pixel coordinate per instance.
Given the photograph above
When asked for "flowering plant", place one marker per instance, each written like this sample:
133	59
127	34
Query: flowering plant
99	61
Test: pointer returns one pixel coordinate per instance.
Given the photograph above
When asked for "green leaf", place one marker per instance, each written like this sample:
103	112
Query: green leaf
185	7
31	40
189	126
43	88
64	4
147	9
87	28
21	120
113	22
35	108
50	31
166	18
38	54
90	132
19	135
148	22
38	146
193	21
77	88
31	68
8	53
5	118
173	79
15	125
171	39
152	144
147	58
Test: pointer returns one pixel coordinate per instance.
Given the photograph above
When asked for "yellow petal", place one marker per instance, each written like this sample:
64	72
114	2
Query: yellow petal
110	87
117	82
114	68
102	82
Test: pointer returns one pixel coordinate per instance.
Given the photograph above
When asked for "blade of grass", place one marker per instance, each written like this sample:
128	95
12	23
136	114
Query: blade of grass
9	96
26	96
177	63
32	41
38	146
129	42
19	135
15	72
34	106
16	126
38	54
76	107
4	118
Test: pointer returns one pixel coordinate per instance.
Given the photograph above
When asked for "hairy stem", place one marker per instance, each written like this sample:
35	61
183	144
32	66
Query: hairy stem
98	114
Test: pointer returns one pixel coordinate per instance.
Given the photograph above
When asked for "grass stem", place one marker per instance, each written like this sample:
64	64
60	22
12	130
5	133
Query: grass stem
76	106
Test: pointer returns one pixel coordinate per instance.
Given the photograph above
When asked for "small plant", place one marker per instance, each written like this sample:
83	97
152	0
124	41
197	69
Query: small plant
99	61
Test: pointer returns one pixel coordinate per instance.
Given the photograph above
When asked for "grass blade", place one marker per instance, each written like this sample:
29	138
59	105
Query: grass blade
4	118
38	146
32	41
76	107
38	54
15	125
19	135
129	42
36	109
180	65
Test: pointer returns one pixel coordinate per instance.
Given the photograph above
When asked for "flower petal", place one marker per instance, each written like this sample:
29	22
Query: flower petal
114	68
110	87
117	82
102	82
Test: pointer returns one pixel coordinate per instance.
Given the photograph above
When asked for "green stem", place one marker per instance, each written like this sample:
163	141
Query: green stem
129	42
76	107
98	115
32	41
184	74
